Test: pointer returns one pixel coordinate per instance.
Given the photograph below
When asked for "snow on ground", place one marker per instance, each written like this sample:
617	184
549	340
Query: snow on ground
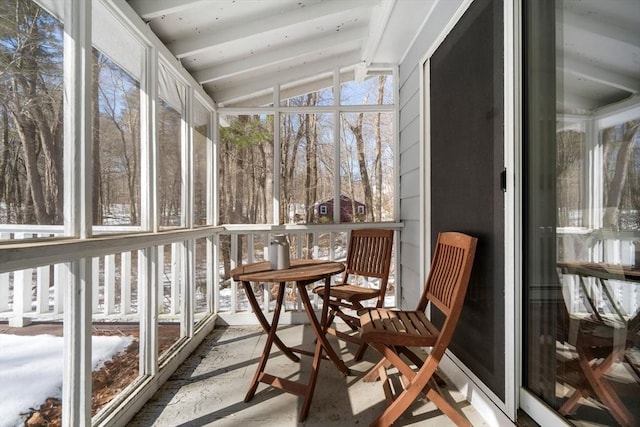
31	370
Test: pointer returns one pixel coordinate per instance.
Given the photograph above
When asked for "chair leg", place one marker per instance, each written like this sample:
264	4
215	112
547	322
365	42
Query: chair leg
330	317
397	408
596	383
608	396
360	353
374	373
434	395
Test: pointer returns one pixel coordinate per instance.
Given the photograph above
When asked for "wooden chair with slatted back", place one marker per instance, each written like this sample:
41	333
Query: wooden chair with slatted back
368	257
391	332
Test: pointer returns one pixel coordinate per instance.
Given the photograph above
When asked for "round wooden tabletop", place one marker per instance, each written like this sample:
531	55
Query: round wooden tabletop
300	269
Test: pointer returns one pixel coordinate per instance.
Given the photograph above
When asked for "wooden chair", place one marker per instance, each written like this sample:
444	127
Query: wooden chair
600	342
597	352
391	332
368	255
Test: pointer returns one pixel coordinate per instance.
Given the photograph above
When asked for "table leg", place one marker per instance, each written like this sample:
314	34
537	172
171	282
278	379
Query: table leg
271	338
321	343
255	306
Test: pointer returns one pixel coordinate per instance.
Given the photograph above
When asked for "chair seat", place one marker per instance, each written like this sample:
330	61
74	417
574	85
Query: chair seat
349	292
402	328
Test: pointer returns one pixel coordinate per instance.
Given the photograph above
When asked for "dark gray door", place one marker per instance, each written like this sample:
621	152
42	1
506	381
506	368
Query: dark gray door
466	104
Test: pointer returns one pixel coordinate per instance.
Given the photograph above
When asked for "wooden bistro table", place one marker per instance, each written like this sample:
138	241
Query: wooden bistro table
302	272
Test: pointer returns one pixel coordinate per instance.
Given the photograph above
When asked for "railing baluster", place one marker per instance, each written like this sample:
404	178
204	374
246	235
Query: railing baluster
4	291
60	279
234	285
176	277
22	281
125	283
109	284
216	273
250	248
161	277
95	280
42	289
4	282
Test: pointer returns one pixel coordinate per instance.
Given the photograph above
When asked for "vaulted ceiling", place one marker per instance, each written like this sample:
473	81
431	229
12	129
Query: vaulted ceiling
598	45
239	49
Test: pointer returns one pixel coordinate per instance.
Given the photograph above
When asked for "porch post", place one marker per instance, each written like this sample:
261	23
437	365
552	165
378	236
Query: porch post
76	380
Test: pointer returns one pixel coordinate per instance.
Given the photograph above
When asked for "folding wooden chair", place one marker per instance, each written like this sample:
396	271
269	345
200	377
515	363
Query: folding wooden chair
596	355
368	256
601	342
391	332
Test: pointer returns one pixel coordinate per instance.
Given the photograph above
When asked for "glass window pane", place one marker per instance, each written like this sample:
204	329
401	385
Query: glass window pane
31	117
582	219
571	138
201	143
203	283
307	159
245	168
169	132
316	92
116	142
366	167
621	145
170	263
375	90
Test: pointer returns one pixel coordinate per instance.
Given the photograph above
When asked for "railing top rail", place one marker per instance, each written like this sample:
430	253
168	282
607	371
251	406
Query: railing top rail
311	228
19	254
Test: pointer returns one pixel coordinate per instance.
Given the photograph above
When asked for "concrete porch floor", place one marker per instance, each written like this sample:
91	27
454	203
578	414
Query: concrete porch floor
209	388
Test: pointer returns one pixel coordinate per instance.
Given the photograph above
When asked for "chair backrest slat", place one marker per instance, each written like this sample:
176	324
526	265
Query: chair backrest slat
449	273
369	253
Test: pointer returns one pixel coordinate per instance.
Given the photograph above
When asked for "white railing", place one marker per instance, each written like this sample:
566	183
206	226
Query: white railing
602	246
316	242
34	290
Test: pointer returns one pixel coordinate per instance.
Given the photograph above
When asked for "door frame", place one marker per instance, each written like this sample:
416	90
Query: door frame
490	406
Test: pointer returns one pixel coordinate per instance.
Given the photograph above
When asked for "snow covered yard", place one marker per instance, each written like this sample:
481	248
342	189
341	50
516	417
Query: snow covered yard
31	370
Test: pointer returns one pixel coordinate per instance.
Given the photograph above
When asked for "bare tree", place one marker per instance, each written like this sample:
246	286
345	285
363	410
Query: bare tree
358	134
97	169
377	163
31	71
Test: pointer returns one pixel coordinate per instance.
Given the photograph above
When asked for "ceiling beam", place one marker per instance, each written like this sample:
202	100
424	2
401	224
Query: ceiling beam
244	88
600	75
380	18
150	9
599	28
326	80
211	40
280	55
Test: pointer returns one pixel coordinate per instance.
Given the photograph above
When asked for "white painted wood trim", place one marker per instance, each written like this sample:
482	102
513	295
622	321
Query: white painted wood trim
76	377
512	203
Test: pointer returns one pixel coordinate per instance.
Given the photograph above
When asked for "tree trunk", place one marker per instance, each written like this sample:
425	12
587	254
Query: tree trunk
97	169
288	161
377	165
53	171
26	131
4	159
362	164
311	178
